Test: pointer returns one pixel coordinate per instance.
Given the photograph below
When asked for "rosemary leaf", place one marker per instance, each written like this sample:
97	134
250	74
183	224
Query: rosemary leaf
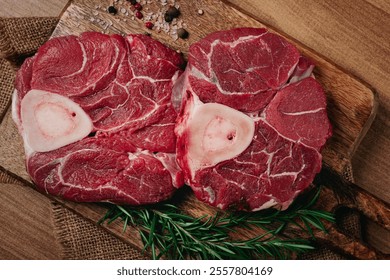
167	232
307	225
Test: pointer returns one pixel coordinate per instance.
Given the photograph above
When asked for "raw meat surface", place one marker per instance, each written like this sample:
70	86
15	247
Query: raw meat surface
298	112
240	69
114	134
261	75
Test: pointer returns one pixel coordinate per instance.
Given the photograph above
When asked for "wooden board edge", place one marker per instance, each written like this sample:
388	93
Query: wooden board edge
369	121
64	10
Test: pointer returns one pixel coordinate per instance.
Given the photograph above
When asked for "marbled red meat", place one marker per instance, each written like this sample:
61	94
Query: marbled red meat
97	120
263	78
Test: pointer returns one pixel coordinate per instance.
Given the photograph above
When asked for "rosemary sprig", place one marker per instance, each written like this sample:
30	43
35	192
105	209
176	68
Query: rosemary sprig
168	232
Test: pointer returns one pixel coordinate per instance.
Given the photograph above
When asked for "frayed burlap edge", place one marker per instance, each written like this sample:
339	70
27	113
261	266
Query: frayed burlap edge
62	234
348	172
6	178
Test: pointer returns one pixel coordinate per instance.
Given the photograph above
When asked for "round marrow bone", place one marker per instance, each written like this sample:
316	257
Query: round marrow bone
51	121
215	133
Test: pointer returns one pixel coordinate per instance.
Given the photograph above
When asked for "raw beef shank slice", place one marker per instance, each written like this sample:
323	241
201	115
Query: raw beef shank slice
252	120
90	109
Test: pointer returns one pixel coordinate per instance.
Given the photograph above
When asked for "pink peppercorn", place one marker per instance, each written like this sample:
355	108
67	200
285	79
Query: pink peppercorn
139	15
138	6
149	25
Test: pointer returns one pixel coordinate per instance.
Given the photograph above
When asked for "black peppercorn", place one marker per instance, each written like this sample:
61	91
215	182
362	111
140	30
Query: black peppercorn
112	10
182	33
173	12
167	18
132	2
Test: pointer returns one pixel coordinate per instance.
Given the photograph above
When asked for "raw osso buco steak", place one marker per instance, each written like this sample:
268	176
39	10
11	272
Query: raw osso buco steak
97	120
112	118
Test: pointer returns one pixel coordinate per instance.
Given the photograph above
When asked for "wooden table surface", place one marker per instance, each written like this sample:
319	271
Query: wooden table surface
353	34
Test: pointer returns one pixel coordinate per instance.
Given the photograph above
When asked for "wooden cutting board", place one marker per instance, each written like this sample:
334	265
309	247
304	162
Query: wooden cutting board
352	103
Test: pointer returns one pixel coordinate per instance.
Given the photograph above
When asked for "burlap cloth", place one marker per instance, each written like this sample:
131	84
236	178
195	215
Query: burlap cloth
81	239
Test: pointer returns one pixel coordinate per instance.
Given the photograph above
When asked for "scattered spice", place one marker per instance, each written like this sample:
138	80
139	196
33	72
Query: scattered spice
182	33
139	15
173	12
112	10
149	25
167	18
200	12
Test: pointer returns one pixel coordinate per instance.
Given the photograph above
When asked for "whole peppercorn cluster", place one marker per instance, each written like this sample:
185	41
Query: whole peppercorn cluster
166	19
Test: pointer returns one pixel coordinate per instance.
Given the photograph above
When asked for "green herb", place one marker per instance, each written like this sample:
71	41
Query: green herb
168	232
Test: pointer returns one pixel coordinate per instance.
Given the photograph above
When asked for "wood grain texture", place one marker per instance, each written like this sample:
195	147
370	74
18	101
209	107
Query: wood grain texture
354	35
377	236
32	8
29	233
